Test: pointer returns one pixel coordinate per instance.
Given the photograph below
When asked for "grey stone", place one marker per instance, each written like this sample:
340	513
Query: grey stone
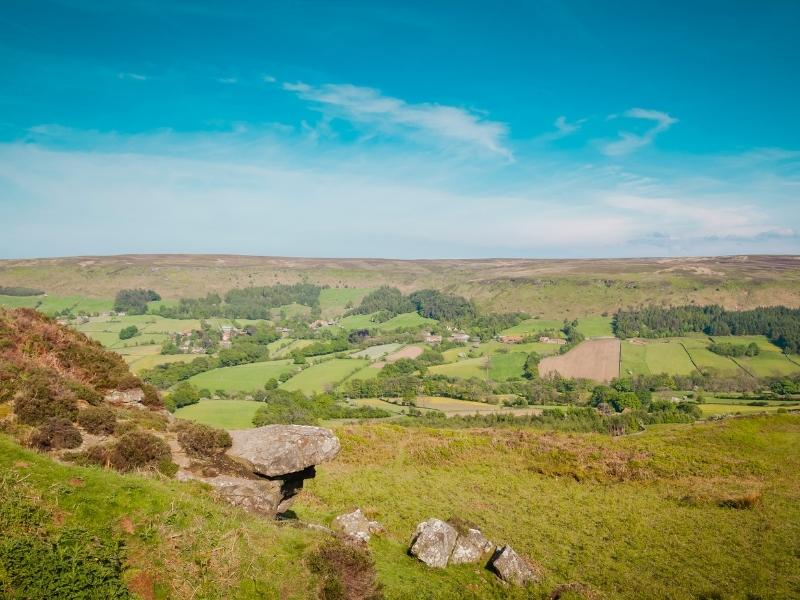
126	398
433	542
511	567
356	526
470	547
276	450
262	496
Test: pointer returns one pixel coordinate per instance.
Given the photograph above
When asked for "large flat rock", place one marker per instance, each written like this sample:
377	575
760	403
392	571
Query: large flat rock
277	450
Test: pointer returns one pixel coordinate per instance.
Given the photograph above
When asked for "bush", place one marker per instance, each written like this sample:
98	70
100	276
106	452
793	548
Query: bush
128	332
151	398
138	449
36	409
202	440
345	571
183	395
98	420
56	433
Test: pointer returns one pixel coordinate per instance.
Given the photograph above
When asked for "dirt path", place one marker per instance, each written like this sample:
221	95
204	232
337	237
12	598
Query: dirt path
593	359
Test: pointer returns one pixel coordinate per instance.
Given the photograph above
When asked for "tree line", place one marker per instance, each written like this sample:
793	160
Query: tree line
779	323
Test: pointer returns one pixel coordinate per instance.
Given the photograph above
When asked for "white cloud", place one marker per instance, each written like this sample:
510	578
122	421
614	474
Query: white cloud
268	79
133	76
628	142
437	123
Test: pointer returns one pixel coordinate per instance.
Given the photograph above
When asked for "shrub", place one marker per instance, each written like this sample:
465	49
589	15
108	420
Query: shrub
36	409
138	449
56	433
202	440
127	333
85	393
98	420
151	398
345	570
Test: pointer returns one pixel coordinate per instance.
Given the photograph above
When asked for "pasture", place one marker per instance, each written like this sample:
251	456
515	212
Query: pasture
242	378
354	322
319	377
139	363
410	352
410	320
593	359
332	301
225	414
470	367
533	326
50	305
376	352
595	327
644	357
504	366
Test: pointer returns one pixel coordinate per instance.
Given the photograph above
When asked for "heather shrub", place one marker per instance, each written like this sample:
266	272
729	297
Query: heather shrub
138	449
202	440
151	398
98	420
32	408
56	433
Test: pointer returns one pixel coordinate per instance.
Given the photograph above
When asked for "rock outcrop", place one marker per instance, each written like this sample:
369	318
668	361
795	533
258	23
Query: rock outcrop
470	547
433	542
271	464
511	567
356	526
132	398
278	450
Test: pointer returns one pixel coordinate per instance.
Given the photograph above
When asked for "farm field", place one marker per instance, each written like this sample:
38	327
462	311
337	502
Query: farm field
645	357
317	378
50	305
531	326
284	349
404	320
595	327
291	311
705	359
242	378
449	406
506	366
356	322
225	414
769	363
332	301
410	352
376	352
593	359
470	367
138	363
492	347
717	408
369	372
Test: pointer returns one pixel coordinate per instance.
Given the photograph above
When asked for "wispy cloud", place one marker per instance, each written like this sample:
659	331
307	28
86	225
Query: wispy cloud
628	142
436	122
563	128
268	79
133	76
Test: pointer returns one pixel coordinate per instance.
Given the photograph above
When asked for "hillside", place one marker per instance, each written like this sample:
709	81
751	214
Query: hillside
548	288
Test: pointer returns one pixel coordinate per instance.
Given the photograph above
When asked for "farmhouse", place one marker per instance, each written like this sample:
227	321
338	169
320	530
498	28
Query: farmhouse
431	338
460	337
510	339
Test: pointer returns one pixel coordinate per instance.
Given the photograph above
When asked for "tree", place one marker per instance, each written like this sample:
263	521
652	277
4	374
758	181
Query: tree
183	395
128	332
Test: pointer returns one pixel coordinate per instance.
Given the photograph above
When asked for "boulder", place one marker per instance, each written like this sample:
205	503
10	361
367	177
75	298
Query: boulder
511	567
278	450
470	547
433	542
262	496
131	398
356	526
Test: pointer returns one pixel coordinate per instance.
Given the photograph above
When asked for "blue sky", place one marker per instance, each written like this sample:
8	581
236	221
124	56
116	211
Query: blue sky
403	129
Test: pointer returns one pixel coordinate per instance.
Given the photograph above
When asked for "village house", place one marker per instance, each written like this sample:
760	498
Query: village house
430	338
460	337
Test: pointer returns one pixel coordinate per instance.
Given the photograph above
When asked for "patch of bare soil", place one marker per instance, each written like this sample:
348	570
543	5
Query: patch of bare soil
593	359
407	352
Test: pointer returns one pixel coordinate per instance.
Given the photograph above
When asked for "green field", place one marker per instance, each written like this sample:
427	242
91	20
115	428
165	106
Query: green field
769	363
332	301
356	322
655	356
242	378
595	326
52	304
531	326
470	367
704	359
405	320
507	366
368	372
715	408
376	352
139	363
318	378
225	414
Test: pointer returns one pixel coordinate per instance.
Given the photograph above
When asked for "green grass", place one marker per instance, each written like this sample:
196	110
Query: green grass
53	304
319	377
242	378
769	363
633	359
225	414
470	367
506	366
375	352
291	311
610	513
356	322
656	356
760	340
705	359
332	301
532	326
595	326
718	408
405	320
140	363
167	530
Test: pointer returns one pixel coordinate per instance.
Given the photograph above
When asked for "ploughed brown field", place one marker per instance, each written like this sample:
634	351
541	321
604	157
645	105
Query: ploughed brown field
592	359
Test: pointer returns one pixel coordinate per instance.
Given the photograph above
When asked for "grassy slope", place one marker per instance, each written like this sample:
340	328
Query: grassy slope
178	542
608	512
243	378
506	366
317	377
470	367
227	414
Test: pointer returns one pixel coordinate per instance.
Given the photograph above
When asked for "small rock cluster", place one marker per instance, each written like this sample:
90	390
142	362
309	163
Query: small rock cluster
355	526
437	544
